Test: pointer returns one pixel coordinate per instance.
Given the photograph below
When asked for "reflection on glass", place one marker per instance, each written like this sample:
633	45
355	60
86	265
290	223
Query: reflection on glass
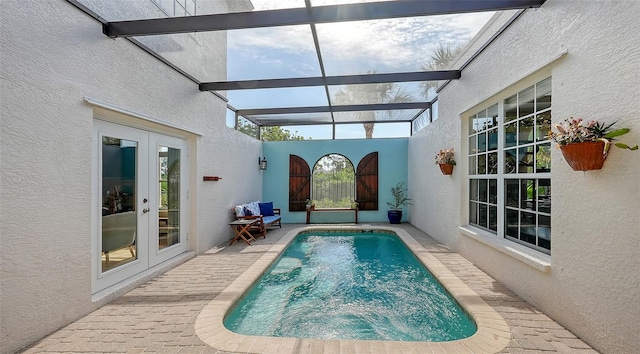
119	220
525	131
492	136
482	190
543	158
473	189
528	194
510	134
492	163
525	160
528	227
543	125
473	213
422	121
511	223
473	124
482	142
493	191
473	149
511	108
525	101
231	118
544	195
543	94
482	164
493	218
510	161
482	216
169	187
512	190
472	165
492	112
544	231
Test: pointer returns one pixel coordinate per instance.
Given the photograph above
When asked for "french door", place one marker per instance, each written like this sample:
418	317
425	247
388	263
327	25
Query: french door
141	201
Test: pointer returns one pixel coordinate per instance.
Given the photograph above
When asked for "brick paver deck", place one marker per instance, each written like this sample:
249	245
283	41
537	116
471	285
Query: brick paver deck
159	316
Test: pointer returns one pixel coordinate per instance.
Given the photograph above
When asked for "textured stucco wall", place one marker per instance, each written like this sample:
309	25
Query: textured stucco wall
53	55
593	286
392	168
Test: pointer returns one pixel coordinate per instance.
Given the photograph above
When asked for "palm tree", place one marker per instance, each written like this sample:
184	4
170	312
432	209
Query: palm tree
387	92
440	59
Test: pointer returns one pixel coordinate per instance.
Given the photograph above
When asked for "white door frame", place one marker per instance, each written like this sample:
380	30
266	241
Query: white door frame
147	171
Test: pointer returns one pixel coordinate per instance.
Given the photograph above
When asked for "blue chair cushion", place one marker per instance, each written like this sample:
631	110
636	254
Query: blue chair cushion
266	209
270	219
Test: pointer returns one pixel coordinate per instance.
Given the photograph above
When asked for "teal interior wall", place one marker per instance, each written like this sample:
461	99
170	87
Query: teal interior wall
392	168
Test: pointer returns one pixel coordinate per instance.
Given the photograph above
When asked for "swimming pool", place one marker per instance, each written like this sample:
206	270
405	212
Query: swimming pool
350	285
492	334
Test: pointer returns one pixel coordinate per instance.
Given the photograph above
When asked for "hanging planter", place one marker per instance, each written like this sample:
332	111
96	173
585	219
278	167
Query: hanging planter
444	158
446	168
585	147
586	156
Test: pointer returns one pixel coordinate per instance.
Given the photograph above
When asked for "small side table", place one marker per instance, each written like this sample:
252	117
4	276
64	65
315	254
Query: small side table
241	228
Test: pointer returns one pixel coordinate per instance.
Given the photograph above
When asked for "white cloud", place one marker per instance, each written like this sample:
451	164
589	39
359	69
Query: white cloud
403	44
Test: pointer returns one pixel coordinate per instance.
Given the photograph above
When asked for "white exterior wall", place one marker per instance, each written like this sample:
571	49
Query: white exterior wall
53	55
592	286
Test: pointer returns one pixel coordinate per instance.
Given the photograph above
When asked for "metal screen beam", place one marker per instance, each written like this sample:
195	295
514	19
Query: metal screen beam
331	80
342	108
299	16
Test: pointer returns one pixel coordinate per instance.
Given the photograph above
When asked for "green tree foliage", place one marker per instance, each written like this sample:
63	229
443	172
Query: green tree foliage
387	92
440	59
277	133
274	133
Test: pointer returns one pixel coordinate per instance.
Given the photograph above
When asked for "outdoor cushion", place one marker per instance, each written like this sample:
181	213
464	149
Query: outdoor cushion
266	209
240	210
254	207
270	219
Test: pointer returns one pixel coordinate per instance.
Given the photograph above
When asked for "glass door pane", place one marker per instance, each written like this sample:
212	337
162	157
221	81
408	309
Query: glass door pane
119	219
169	197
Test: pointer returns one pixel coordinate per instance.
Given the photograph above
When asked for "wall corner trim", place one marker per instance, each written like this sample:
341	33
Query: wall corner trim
111	107
538	261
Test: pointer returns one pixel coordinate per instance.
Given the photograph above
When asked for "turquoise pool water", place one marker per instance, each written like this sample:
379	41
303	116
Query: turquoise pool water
349	286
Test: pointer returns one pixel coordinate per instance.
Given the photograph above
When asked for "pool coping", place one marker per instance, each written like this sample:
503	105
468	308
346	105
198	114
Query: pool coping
492	336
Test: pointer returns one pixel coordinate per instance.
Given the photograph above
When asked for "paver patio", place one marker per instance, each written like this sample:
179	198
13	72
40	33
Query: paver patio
159	316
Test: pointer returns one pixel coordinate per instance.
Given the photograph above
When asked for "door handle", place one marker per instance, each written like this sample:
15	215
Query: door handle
145	210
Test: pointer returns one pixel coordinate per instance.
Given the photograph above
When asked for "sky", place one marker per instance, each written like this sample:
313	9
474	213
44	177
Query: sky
360	47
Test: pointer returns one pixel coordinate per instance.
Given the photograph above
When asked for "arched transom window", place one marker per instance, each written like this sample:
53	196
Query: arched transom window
333	182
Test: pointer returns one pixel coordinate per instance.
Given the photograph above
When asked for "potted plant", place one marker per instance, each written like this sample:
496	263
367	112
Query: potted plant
444	158
400	198
310	204
585	147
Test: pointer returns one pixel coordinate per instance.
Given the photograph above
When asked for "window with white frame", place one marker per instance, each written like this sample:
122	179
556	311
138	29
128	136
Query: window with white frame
510	165
177	8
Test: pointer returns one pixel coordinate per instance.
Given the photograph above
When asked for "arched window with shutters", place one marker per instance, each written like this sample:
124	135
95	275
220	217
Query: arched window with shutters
333	182
367	182
299	183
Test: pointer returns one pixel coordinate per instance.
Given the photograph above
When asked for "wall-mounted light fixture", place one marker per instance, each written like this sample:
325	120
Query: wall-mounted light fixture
262	163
